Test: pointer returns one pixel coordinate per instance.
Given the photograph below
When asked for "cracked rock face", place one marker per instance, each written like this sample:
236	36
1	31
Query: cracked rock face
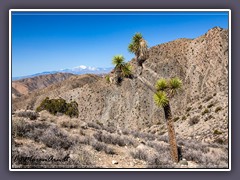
201	63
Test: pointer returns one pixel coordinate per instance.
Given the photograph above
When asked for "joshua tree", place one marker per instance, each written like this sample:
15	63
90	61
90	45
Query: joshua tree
121	69
118	61
127	70
139	47
166	89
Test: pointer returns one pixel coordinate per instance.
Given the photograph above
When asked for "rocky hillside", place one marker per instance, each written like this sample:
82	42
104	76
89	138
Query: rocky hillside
200	110
24	86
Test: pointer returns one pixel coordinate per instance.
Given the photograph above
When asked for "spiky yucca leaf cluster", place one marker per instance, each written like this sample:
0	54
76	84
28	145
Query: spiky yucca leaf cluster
161	85
134	46
160	98
118	60
165	89
123	67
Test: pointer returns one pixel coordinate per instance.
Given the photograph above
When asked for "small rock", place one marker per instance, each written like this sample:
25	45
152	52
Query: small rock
183	162
114	162
84	125
132	164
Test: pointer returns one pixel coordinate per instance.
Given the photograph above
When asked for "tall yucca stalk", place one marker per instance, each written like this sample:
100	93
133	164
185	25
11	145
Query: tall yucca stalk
164	90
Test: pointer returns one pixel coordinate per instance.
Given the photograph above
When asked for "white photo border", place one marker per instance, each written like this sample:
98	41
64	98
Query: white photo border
119	10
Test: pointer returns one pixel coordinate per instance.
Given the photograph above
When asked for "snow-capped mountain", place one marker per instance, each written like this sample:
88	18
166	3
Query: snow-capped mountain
87	69
75	70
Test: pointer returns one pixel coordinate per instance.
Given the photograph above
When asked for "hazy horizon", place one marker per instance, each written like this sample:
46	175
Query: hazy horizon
50	41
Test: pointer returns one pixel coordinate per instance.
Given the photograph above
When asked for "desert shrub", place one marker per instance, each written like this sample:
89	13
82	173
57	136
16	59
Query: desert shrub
85	140
218	109
28	114
205	111
55	138
141	154
208	98
107	77
109	128
219	141
145	136
194	120
70	124
100	146
114	139
159	147
126	131
32	157
209	117
55	106
188	109
192	145
153	160
163	138
216	132
210	105
158	161
94	125
20	128
184	118
175	119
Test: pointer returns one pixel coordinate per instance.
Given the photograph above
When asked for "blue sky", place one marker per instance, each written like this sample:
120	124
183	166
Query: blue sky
48	41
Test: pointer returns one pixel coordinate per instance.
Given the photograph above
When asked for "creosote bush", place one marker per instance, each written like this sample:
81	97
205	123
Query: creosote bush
60	105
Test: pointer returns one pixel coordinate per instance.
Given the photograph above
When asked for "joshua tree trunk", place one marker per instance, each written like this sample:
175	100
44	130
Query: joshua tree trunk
171	133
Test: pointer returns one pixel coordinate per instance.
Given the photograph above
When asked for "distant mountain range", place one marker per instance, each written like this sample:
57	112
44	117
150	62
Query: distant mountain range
76	70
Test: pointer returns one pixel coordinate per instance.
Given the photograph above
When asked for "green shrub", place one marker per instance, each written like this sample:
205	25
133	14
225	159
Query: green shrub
193	120
208	98
216	132
184	118
219	141
218	109
176	119
205	111
188	109
55	106
210	105
107	77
